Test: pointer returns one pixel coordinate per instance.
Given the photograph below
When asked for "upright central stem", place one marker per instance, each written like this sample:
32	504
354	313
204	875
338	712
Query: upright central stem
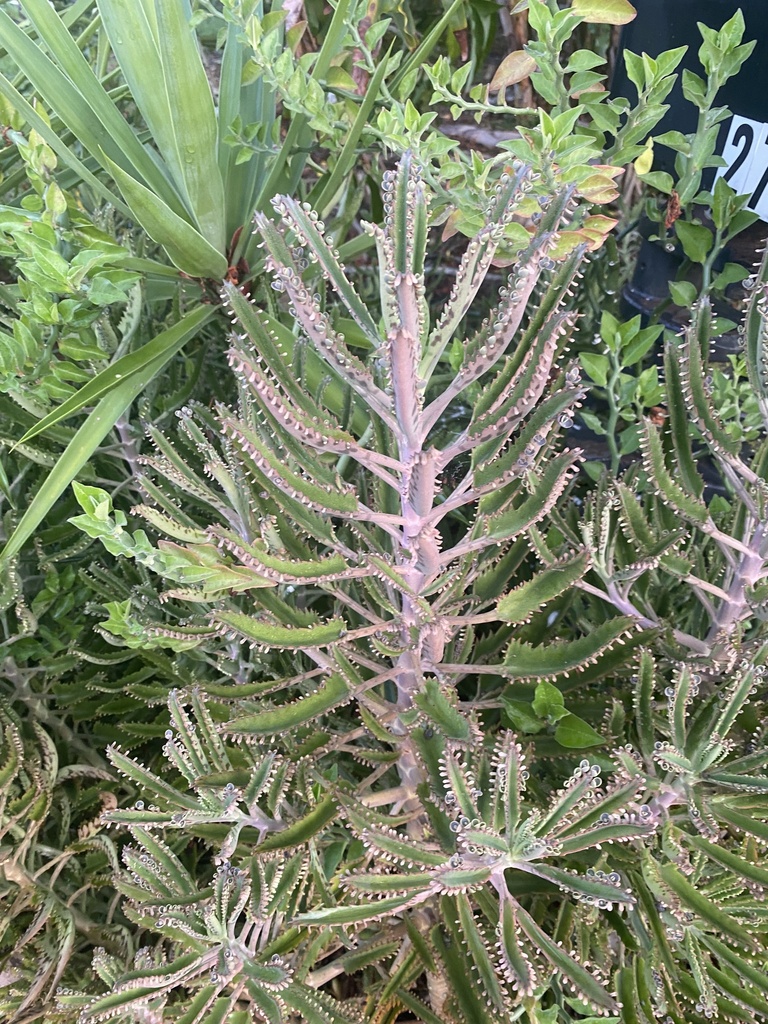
416	556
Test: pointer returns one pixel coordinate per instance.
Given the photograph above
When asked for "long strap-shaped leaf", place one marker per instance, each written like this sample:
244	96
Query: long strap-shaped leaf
72	90
188	249
179	109
417	58
547	661
252	104
323	195
104	416
103	383
158	54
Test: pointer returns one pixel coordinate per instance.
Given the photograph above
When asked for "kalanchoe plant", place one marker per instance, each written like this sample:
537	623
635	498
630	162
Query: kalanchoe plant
486	845
406	508
231	921
55	885
355	557
699	915
429	879
387	493
715	550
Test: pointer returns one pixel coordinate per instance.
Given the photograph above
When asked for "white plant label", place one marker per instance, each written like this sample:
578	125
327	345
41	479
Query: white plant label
746	155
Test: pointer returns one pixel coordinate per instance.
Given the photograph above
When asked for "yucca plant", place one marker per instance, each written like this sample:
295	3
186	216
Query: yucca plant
186	190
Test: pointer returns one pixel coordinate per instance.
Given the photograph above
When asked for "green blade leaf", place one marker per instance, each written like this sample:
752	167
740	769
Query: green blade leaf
738	962
756	341
746	869
290	637
643	702
449	944
513	958
602	894
380	885
548	488
312	1006
63	152
192	120
132	30
599	834
401	849
185	246
689	506
107	380
421	1010
485	972
751	824
441	712
149	782
90	435
76	95
252	104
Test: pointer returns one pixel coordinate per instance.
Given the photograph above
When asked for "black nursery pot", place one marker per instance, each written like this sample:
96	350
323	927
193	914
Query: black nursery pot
662	25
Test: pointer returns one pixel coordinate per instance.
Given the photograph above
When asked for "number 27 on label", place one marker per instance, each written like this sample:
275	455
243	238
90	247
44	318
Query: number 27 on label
746	155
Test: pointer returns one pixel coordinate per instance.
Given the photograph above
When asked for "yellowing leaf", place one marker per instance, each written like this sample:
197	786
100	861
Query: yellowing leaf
514	68
596	229
527	207
595	87
609	169
600	187
566	243
644	163
605	12
592	233
341	79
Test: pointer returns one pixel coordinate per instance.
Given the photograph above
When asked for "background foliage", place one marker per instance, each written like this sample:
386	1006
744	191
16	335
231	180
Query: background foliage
343	684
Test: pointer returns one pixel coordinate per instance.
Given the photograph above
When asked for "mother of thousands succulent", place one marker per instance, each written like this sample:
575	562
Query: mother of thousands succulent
387	524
